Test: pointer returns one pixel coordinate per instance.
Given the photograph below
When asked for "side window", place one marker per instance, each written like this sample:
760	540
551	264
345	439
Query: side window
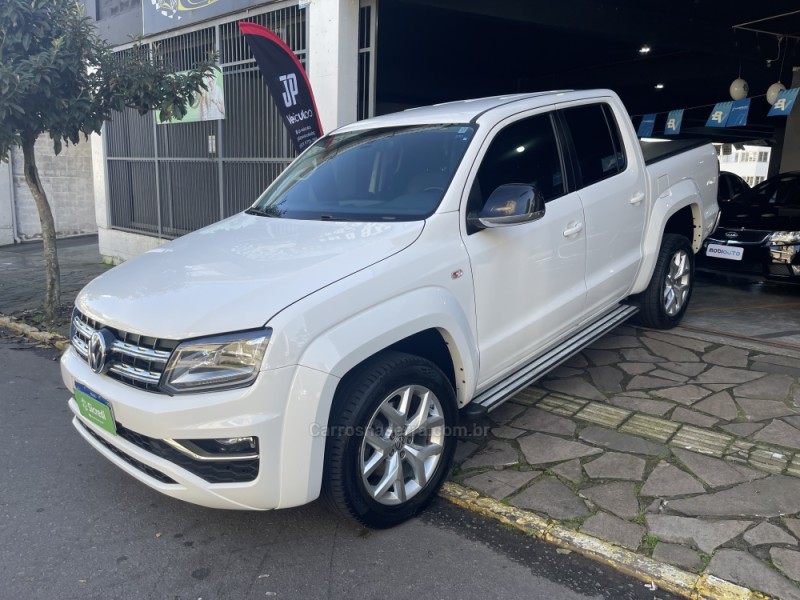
738	188
727	188
613	129
598	147
524	152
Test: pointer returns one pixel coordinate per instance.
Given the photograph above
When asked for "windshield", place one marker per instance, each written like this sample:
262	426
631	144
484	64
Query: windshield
389	174
778	191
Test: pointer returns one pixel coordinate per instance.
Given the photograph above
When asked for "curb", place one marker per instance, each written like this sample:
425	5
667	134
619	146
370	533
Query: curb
666	577
52	339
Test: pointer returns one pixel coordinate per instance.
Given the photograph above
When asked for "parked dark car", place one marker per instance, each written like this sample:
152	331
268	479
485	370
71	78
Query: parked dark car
730	185
759	232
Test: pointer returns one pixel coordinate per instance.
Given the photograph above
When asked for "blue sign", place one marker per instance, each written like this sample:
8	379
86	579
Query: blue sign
738	115
719	115
674	119
784	102
646	126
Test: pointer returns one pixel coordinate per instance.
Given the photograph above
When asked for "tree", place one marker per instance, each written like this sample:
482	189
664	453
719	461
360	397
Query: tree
57	76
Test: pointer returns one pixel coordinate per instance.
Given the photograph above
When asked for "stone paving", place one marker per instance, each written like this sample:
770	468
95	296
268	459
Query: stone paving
673	444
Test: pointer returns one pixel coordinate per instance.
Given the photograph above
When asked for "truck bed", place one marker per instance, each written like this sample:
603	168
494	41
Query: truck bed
659	150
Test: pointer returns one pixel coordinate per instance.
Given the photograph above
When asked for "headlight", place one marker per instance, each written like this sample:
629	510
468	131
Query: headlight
785	237
214	363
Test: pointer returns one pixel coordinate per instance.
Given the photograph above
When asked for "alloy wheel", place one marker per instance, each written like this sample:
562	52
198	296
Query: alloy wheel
402	445
677	283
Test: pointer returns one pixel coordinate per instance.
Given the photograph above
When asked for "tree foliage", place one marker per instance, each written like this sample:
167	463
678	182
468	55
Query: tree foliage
58	77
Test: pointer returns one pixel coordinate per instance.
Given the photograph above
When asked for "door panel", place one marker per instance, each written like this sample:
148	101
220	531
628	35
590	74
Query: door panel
614	227
613	195
529	278
529	285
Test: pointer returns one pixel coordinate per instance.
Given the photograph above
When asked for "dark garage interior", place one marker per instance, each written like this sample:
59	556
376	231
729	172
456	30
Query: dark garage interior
432	51
439	50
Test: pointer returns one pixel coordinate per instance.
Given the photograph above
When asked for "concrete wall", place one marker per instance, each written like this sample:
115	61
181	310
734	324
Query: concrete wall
119	246
6	205
120	19
790	157
68	182
333	60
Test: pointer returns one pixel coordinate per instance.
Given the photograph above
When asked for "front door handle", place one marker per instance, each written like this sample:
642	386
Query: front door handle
637	198
573	229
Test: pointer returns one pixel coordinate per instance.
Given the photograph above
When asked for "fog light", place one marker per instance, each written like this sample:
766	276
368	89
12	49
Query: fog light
233	441
229	446
239	448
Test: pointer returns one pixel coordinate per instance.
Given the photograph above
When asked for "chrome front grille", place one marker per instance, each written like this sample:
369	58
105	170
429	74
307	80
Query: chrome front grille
133	359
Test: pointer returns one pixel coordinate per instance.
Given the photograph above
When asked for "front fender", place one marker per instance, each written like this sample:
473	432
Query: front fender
337	350
362	335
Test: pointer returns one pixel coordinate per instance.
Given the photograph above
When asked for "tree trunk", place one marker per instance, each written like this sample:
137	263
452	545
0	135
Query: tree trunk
52	294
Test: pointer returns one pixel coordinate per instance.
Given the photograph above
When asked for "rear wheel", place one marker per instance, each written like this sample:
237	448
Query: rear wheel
664	302
391	440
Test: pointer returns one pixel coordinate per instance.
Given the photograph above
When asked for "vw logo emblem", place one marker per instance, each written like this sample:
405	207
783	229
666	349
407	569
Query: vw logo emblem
731	234
99	347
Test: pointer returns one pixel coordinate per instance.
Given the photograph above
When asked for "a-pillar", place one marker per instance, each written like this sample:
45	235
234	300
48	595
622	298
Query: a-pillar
333	60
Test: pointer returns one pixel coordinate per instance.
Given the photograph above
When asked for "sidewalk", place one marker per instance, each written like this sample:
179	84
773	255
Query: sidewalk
22	272
681	446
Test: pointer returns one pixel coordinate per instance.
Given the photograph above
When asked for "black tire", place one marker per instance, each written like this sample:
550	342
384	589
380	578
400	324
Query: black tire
355	412
664	302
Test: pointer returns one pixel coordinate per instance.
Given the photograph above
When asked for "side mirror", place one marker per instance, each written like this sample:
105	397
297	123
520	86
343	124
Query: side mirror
510	204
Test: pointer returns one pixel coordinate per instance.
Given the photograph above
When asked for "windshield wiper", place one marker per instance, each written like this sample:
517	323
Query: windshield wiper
253	210
260	212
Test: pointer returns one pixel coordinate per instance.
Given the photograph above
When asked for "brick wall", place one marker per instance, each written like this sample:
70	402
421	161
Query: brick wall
68	182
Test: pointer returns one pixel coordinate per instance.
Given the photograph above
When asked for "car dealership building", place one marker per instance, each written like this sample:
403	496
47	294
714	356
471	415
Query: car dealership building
152	182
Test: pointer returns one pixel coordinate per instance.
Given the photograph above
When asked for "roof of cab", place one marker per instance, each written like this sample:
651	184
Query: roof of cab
466	111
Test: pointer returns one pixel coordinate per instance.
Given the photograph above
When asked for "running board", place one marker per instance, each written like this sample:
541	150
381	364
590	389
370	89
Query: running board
500	392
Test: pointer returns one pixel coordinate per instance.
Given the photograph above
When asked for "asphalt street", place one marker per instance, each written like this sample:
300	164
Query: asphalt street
73	526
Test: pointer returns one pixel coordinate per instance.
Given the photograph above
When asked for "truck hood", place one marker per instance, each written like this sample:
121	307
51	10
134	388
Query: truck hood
236	274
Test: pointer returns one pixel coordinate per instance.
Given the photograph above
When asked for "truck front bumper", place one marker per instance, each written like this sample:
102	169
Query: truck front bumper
285	409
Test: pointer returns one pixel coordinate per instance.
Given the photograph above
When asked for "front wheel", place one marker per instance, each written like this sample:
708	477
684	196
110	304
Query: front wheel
391	440
664	302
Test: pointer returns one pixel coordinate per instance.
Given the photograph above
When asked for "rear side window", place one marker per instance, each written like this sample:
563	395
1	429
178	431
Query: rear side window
596	139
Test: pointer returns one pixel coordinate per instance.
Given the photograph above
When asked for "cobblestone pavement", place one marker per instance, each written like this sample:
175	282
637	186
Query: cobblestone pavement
736	307
681	448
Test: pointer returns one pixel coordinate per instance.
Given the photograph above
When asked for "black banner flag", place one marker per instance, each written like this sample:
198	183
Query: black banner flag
287	83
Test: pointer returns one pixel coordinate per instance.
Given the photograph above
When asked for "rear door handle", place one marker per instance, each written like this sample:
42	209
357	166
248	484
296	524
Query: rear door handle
637	198
573	229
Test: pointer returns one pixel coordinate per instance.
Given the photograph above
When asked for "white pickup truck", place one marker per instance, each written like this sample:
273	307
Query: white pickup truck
402	272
